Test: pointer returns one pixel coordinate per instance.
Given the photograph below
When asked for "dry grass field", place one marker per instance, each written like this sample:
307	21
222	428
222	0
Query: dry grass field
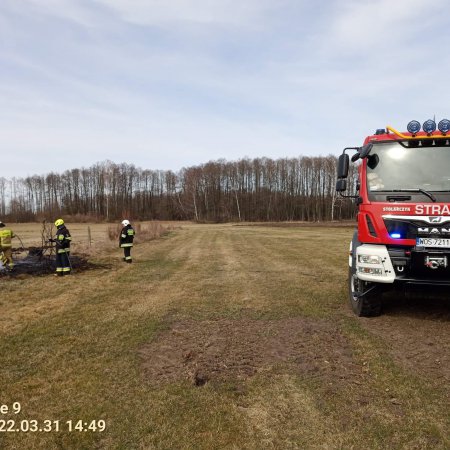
218	337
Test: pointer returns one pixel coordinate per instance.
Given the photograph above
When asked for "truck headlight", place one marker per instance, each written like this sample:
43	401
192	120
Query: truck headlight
370	270
369	259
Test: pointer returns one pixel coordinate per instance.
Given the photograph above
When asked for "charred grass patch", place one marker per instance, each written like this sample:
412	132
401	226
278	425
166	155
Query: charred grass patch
33	263
217	337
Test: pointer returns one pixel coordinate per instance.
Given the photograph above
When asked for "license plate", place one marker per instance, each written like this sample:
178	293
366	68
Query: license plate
433	242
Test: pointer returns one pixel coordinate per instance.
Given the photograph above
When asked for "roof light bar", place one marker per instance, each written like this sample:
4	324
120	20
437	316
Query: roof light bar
429	127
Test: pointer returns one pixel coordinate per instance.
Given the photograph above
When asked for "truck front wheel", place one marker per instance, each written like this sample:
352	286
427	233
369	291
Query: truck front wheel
364	299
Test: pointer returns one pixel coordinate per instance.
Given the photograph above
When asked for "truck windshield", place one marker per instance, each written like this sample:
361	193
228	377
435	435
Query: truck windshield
393	167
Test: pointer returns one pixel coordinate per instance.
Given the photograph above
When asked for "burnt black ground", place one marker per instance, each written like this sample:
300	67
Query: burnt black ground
34	261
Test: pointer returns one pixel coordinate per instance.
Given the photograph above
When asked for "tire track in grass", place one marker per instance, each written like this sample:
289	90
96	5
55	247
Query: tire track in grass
282	282
187	277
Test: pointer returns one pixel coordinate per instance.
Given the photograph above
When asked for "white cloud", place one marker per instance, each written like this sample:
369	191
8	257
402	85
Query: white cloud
160	12
72	10
163	85
364	25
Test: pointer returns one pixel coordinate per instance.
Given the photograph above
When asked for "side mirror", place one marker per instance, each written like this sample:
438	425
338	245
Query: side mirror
343	163
365	150
341	185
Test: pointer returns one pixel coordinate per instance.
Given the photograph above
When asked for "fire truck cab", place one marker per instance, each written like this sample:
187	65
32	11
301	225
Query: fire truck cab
402	238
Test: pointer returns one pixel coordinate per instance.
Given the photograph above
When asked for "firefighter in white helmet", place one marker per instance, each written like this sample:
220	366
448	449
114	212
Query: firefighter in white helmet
126	240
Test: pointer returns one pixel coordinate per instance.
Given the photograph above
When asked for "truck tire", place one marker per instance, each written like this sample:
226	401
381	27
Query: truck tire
367	305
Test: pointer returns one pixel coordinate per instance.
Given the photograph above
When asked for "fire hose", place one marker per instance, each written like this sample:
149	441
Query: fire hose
21	243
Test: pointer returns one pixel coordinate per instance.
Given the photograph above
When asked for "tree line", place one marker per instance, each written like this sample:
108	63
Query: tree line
259	189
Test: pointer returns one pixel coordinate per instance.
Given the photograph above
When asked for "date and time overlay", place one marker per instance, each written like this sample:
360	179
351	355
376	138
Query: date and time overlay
12	420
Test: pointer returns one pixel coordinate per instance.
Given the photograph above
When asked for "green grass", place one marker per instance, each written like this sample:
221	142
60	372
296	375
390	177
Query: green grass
69	350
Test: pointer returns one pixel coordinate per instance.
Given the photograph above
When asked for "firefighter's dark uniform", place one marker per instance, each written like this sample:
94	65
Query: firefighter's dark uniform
126	242
6	236
62	240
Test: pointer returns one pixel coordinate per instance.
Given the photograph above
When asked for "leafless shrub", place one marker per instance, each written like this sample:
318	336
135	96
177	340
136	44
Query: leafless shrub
144	231
114	231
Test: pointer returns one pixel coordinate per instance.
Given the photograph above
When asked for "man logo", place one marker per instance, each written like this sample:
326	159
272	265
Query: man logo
431	231
435	219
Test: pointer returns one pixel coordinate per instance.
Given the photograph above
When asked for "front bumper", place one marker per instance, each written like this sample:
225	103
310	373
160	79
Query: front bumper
421	266
418	266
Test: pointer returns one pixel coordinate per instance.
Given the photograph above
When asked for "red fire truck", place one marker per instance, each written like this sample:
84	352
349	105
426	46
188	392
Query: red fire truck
402	194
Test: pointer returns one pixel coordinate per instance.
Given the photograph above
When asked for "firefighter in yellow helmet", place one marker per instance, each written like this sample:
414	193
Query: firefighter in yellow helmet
62	240
6	236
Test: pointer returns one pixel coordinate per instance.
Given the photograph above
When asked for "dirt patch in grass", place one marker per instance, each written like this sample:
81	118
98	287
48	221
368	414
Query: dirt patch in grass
228	350
416	333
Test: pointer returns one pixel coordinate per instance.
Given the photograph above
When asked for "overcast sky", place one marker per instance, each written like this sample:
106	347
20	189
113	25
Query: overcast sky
164	84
